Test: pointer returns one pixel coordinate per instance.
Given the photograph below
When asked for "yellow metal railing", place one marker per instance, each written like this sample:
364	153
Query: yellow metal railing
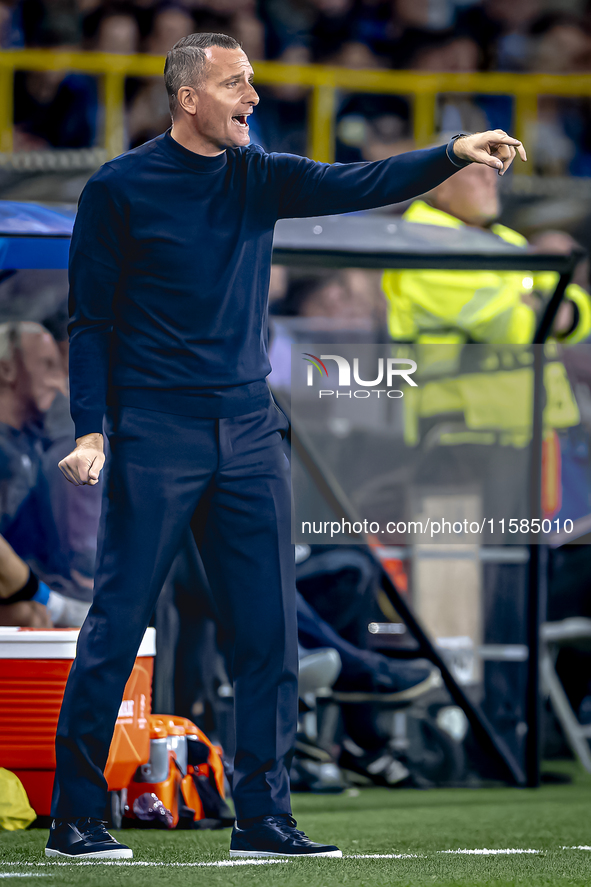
324	82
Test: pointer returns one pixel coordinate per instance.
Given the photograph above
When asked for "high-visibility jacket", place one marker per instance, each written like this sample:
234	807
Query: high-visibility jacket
480	306
492	391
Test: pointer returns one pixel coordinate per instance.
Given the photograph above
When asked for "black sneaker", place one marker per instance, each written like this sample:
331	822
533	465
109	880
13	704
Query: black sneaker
84	838
276	836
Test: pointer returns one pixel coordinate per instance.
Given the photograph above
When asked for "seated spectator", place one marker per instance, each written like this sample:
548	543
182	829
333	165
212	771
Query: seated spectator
421	14
421	303
502	30
286	23
369	127
278	283
53	109
349	300
450	51
237	18
112	29
332	28
559	242
351	296
372	127
22	597
280	121
11	25
560	137
31	376
149	114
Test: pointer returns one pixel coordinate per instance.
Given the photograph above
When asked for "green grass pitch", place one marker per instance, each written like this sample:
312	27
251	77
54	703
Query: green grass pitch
418	826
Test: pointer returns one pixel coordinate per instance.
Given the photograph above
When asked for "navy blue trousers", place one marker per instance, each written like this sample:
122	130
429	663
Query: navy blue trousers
229	480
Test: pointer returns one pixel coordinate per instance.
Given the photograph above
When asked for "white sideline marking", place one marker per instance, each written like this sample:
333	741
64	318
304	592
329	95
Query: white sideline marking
580	847
485	852
137	862
384	856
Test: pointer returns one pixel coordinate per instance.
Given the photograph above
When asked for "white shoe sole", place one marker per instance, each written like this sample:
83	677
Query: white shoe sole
260	853
100	854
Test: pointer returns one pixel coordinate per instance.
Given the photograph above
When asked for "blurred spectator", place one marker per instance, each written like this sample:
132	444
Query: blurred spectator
149	114
502	30
112	28
348	300
560	137
447	52
11	25
352	296
332	29
169	24
561	242
561	45
53	109
373	136
455	53
19	589
423	303
369	127
60	18
353	54
410	25
237	18
280	119
31	375
322	26
286	23
422	14
278	283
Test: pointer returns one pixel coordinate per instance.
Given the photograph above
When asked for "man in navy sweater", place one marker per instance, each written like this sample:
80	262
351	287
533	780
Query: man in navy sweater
169	272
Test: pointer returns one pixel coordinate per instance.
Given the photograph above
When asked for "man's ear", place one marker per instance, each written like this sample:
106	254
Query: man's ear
8	373
187	99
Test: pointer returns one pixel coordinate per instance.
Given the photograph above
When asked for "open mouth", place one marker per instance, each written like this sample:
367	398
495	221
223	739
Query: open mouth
241	120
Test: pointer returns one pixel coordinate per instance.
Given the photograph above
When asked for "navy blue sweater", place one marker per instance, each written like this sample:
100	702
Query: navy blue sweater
170	262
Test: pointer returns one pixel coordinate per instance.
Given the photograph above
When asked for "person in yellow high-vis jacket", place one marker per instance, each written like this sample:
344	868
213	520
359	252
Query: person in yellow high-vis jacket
497	307
479	306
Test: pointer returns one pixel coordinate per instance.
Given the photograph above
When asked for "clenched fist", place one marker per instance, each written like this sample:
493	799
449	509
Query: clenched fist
493	148
84	464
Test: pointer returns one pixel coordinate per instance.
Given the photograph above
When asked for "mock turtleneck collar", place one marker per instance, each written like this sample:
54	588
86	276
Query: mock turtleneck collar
198	162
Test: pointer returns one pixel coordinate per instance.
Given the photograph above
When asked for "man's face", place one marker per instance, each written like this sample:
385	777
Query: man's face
40	373
225	99
471	195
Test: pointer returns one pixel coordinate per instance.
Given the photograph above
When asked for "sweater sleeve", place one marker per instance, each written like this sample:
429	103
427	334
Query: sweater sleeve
307	188
95	269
